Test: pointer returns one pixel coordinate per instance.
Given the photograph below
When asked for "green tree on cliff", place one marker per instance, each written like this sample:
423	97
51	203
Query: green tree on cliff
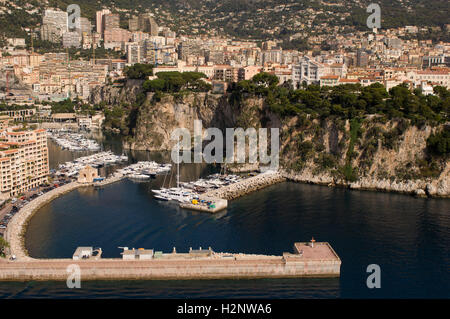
265	79
139	71
176	81
439	144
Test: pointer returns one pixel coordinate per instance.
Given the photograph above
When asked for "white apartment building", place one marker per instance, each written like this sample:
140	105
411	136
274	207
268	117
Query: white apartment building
435	60
208	70
393	76
308	71
134	52
435	77
16	42
271	56
57	18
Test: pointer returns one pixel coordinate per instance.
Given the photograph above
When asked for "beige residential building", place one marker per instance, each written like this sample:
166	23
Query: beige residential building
246	73
100	20
23	161
225	73
19	115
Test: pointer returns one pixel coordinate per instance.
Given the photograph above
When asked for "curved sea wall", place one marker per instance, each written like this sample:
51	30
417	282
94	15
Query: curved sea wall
17	226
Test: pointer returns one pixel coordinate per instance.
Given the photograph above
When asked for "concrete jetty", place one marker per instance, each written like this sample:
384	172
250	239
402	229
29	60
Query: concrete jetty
306	261
219	204
222	195
246	186
109	180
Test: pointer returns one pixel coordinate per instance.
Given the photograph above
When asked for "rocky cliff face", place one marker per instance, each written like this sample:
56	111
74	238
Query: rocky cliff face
116	94
370	154
378	155
157	120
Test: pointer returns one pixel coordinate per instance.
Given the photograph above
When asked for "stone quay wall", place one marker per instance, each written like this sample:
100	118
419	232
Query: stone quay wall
107	269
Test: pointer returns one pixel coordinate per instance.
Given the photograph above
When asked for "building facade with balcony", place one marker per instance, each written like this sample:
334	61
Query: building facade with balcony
23	161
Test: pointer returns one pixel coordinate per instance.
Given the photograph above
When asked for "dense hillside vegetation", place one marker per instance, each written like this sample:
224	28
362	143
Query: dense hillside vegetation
241	18
348	101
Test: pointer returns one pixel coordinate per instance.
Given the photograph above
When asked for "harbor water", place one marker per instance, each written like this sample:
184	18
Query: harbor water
409	238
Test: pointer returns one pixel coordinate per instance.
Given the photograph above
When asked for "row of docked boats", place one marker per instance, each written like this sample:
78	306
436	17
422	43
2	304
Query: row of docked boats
143	170
71	169
73	141
211	182
188	191
178	194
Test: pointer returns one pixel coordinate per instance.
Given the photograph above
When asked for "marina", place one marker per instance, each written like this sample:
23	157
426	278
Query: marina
190	192
211	194
217	190
73	141
143	170
71	169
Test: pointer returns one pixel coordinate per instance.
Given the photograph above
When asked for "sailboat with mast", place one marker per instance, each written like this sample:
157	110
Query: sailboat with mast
178	193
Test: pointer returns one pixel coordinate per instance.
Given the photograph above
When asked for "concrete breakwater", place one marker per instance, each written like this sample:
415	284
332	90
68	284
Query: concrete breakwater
17	226
246	186
317	261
